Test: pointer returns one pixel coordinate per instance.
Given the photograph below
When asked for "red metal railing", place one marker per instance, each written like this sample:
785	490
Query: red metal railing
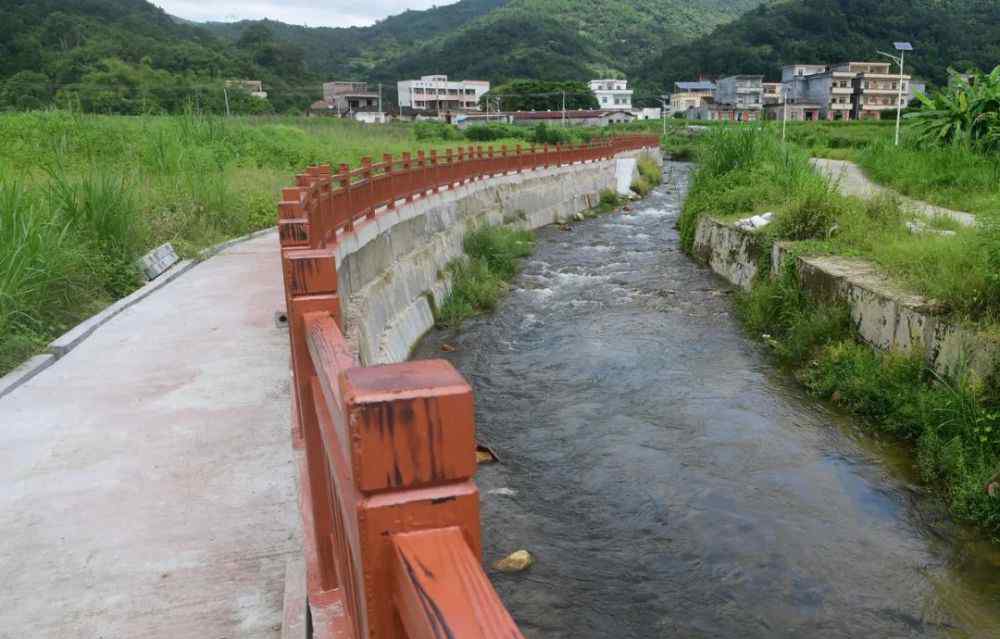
386	454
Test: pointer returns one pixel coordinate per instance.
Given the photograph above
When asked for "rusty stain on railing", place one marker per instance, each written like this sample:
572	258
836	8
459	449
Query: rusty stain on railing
387	454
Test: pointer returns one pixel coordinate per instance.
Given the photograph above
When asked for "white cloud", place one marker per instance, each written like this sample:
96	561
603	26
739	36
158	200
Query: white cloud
328	13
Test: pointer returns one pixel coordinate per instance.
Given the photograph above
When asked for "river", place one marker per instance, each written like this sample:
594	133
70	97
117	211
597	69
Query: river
672	481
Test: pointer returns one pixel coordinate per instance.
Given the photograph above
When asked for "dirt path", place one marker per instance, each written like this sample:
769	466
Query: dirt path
852	181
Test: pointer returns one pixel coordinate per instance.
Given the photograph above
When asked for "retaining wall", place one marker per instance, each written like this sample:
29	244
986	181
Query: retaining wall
393	272
885	316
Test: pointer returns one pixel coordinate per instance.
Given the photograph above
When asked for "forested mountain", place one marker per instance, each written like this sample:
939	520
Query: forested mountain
127	56
956	33
505	39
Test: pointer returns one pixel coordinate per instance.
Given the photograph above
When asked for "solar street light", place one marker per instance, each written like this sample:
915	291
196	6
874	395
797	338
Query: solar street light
902	47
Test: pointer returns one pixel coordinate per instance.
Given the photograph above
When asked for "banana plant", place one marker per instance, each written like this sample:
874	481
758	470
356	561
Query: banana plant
967	111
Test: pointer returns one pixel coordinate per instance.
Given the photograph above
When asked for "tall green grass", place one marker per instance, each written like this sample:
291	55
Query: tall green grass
82	196
956	175
747	170
481	277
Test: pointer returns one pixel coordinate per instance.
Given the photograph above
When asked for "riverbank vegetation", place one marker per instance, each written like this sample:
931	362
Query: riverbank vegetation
481	277
82	196
650	176
951	421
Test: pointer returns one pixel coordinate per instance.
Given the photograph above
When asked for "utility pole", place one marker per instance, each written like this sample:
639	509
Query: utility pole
225	93
564	108
663	112
380	97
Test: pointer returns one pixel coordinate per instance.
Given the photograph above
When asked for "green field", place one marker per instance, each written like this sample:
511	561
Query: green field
82	196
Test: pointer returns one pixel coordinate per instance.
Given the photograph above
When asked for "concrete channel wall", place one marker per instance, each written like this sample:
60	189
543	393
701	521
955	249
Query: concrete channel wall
392	274
885	316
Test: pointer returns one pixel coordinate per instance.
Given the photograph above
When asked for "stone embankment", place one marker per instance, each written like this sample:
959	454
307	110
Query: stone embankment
885	316
393	274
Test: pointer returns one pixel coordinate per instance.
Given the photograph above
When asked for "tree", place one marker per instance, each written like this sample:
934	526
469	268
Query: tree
540	95
26	90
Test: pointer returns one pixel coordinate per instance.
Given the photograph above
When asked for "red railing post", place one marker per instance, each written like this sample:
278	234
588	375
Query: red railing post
408	181
422	173
390	180
311	286
369	198
347	215
435	179
293	225
450	171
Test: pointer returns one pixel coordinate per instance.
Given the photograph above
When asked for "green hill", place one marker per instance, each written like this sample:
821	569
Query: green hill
500	40
128	56
957	33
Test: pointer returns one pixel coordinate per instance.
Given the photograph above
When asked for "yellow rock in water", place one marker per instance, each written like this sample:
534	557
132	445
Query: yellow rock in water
515	562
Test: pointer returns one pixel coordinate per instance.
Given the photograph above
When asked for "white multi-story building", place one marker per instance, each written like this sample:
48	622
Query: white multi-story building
436	92
612	94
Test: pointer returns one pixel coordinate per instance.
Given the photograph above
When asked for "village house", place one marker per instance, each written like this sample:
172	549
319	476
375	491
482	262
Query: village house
612	94
253	87
350	97
690	95
436	92
845	91
572	117
736	98
772	92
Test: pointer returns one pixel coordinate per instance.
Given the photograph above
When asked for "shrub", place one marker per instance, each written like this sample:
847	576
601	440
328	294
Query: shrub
544	134
641	186
489	133
480	278
436	131
650	170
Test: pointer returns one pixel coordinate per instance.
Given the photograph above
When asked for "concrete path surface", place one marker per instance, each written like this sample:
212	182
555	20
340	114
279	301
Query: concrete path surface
146	480
852	181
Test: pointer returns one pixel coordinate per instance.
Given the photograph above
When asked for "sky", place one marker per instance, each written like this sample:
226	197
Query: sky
320	13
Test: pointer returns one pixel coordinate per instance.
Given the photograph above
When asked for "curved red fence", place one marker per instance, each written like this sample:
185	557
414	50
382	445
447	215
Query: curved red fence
386	454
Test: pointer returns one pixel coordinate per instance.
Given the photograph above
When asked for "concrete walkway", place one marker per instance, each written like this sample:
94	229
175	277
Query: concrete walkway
146	480
852	181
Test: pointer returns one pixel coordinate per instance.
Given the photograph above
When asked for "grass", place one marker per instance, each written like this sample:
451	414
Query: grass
650	176
82	196
953	424
746	170
481	277
953	176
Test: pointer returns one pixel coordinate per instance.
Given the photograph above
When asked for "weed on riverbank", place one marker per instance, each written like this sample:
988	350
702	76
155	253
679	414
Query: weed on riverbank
650	176
481	277
953	423
747	170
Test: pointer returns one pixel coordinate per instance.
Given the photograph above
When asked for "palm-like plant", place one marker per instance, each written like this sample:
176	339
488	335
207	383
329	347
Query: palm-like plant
968	110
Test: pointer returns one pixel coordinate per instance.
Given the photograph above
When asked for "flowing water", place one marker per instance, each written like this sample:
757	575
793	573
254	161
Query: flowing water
671	481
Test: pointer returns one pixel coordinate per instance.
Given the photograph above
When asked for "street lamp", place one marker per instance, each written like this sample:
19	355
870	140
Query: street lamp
902	47
663	111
